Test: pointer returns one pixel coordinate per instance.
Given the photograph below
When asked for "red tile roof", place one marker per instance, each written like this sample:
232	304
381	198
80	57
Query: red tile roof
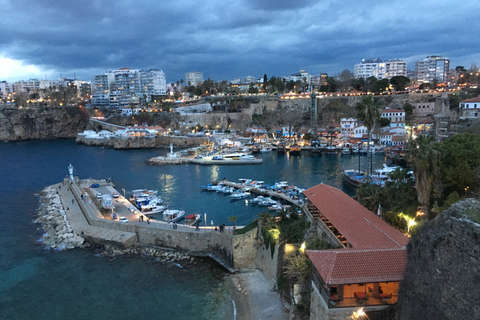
362	228
347	266
477	99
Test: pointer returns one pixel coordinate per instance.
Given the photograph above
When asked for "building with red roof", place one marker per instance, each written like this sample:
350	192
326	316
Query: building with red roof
368	263
470	108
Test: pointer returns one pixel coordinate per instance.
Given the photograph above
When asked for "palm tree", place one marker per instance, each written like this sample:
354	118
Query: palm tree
367	111
425	159
233	219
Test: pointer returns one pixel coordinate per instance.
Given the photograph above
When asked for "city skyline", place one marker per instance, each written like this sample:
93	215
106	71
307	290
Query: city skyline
228	40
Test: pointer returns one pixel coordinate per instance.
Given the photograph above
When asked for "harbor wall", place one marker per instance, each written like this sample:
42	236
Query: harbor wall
142	142
245	249
266	263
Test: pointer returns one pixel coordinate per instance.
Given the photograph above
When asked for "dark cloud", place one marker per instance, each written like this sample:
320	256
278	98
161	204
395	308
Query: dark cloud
234	39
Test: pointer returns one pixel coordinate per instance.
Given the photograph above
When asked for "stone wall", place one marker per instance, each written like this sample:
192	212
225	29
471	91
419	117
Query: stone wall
143	142
266	263
443	269
245	249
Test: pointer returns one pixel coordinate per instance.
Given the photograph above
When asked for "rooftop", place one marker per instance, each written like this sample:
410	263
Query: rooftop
361	227
477	99
346	266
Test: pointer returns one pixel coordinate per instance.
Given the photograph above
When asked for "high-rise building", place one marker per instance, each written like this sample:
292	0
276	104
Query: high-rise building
431	69
380	69
194	78
124	86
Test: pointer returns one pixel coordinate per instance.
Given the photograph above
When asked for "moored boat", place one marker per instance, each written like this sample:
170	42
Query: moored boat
239	195
192	219
173	215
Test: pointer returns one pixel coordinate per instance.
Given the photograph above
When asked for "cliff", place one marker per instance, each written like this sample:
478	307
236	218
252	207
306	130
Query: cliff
443	269
41	123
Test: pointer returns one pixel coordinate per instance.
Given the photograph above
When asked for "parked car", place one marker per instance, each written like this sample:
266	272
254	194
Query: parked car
122	219
115	195
99	195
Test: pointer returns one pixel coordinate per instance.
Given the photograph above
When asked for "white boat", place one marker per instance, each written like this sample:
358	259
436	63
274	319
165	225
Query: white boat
267	202
240	195
345	151
151	209
265	150
173	215
257	199
144	193
383	173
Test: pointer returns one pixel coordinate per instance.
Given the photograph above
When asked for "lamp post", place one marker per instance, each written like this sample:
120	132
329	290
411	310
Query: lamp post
205	217
123	192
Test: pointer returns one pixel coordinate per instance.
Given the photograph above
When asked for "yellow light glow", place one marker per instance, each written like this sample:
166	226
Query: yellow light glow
302	247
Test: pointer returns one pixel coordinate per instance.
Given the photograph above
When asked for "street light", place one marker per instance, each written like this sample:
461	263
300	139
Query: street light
123	192
205	216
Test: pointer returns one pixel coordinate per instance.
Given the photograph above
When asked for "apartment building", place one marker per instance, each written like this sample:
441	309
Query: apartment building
194	78
431	69
380	69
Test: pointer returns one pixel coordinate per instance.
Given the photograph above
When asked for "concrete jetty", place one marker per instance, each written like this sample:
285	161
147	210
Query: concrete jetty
205	161
263	192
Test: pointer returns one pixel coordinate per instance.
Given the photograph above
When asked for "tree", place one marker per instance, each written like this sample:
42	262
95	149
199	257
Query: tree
384	122
345	78
233	220
265	82
460	164
367	111
424	157
399	82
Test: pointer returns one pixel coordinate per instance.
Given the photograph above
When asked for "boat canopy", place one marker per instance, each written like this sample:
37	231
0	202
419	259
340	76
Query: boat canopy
190	216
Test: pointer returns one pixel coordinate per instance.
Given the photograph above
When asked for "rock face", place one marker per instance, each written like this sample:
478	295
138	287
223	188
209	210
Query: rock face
442	277
42	123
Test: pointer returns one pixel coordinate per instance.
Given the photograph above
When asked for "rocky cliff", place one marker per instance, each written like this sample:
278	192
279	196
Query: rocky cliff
442	277
41	123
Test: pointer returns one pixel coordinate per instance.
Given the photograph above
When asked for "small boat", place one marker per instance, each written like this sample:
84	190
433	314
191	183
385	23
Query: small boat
239	195
354	178
281	147
173	215
256	200
345	152
151	209
295	149
192	219
267	202
331	149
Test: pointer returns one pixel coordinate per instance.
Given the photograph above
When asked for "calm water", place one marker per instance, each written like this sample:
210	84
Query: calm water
41	284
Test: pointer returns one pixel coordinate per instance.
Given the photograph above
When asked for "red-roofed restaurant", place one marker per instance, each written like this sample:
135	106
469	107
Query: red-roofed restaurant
366	268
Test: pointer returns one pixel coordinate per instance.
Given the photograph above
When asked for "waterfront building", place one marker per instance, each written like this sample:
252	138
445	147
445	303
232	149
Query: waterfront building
194	78
347	126
369	265
396	117
380	69
432	69
470	108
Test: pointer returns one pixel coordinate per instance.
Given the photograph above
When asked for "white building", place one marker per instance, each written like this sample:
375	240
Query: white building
396	117
194	78
347	126
431	69
380	69
5	89
121	87
470	108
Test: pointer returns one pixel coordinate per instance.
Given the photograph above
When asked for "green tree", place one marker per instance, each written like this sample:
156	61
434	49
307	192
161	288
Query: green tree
424	157
460	164
367	111
383	122
233	220
399	82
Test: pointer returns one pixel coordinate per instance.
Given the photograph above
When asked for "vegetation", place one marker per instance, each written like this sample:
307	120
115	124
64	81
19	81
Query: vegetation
425	160
368	112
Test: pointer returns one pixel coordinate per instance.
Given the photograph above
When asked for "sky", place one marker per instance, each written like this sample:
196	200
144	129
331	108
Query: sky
228	39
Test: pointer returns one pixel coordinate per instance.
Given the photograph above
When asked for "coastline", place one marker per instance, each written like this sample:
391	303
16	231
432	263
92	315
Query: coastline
249	289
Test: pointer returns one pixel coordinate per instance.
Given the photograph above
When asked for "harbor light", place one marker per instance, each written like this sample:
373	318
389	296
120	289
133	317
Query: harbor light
302	247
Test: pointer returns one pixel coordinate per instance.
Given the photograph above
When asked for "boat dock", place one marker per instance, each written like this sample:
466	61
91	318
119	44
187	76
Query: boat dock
263	192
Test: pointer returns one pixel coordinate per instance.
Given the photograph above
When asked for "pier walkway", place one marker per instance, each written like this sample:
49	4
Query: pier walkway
263	192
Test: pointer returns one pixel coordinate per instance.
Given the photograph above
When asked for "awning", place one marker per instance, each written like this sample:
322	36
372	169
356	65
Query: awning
190	216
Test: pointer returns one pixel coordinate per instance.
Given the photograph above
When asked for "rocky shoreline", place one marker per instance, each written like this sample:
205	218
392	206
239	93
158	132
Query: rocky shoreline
58	234
165	161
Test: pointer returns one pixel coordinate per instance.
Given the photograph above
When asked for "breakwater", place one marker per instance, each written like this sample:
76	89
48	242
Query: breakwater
83	221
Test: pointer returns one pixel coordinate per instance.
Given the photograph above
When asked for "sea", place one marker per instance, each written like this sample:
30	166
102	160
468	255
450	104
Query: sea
37	283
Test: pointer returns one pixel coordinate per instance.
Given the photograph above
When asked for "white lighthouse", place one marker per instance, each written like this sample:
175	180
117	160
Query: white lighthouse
70	170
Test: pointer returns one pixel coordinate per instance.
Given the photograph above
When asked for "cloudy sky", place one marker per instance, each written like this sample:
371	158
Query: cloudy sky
228	39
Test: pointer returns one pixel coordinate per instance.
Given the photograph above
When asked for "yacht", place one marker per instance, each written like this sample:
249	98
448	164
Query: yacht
173	215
